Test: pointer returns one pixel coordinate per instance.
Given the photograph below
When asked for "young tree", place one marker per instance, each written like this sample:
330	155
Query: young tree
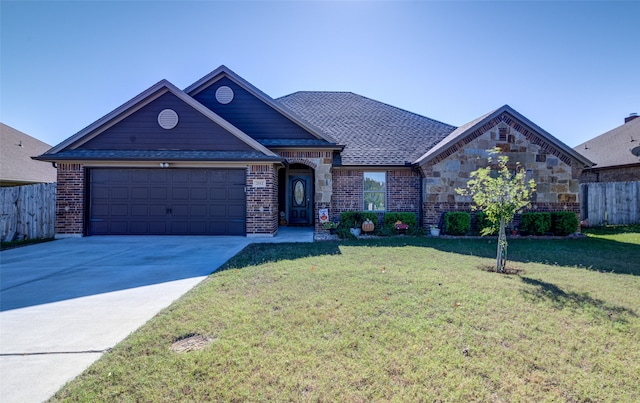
500	193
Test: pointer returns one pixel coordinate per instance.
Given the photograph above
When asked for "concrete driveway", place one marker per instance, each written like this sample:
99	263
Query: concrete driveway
64	303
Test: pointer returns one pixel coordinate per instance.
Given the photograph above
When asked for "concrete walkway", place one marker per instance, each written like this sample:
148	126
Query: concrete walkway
64	303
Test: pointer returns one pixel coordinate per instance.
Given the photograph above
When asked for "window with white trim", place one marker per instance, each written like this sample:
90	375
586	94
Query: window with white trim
375	191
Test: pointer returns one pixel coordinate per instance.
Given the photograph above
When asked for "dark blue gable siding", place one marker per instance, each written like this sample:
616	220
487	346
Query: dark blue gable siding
250	114
141	131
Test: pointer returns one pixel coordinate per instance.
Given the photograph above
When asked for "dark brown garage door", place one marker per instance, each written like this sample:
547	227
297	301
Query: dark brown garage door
167	202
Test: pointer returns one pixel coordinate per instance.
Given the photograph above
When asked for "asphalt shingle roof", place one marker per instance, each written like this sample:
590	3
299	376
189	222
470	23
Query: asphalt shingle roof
374	133
16	165
614	147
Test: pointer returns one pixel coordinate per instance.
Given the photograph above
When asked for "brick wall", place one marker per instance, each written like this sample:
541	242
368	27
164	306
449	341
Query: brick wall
403	191
70	200
613	174
262	202
348	186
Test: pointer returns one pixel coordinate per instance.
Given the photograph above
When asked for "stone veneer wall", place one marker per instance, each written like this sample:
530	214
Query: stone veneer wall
262	202
70	200
403	191
556	174
321	162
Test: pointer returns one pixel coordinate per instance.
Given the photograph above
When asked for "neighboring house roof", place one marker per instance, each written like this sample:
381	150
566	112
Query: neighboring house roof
468	129
613	148
16	165
63	150
373	132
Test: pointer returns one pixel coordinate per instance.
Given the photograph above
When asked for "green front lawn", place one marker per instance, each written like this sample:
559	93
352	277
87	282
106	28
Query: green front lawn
402	319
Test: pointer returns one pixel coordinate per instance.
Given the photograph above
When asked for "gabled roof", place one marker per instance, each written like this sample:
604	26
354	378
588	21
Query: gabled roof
144	98
224	71
613	148
374	133
468	128
16	165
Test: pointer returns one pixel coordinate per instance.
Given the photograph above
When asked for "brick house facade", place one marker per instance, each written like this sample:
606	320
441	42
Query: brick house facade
221	157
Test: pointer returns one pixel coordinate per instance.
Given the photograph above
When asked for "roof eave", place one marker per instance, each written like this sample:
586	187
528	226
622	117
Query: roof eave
435	151
144	98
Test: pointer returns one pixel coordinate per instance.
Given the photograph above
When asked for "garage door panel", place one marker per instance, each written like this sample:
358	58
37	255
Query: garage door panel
198	193
100	210
139	227
167	201
158	193
119	210
180	176
140	176
119	227
100	192
180	193
158	227
158	176
235	212
140	210
119	192
199	176
198	211
236	194
139	193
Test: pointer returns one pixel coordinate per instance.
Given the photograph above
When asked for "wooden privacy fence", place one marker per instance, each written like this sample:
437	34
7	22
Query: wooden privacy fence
28	212
611	203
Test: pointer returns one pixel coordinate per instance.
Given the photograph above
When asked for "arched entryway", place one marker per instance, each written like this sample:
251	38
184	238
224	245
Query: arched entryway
296	185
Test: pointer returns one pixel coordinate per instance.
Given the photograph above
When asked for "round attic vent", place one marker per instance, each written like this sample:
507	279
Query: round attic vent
168	119
224	95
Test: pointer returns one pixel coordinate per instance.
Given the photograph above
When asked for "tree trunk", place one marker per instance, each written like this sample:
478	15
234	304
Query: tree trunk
501	255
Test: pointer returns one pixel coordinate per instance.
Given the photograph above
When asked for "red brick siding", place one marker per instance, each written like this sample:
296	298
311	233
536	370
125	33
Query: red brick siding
70	201
613	174
262	203
348	186
403	191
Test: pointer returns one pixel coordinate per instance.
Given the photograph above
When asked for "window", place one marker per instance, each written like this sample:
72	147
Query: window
375	191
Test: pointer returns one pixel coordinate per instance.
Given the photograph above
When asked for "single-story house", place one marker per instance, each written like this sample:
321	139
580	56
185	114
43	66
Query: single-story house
616	154
223	158
17	168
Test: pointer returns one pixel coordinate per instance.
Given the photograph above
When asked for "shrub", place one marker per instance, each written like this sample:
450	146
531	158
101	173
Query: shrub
390	219
457	223
535	223
354	219
483	222
563	223
348	219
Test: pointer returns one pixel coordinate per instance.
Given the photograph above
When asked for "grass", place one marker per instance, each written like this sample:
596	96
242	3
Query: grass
402	319
25	242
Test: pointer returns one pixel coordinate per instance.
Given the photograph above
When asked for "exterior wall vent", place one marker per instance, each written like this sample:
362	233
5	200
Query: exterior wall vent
168	119
224	95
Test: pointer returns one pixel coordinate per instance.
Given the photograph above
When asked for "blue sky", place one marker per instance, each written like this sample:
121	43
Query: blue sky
570	67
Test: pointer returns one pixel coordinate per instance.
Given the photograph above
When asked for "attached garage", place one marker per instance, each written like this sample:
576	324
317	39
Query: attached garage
165	201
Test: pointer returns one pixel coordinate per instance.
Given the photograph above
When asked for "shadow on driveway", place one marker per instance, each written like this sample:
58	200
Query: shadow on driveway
72	268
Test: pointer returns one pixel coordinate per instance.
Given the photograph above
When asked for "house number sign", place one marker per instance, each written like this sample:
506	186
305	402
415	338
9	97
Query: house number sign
259	183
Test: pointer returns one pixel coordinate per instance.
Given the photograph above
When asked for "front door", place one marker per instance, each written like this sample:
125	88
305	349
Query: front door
300	203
